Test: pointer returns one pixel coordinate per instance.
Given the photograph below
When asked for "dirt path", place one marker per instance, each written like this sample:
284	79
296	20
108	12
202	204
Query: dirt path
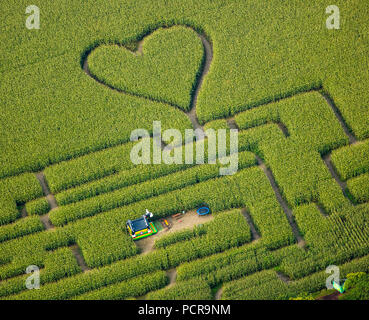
80	260
208	51
333	296
233	125
45	188
328	163
47	223
50	199
188	220
321	210
283	129
283	277
255	234
24	212
281	201
139	50
352	140
339	117
218	294
172	275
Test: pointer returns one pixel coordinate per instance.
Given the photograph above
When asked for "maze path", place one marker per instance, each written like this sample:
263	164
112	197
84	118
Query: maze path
346	128
349	134
342	184
233	125
208	58
50	199
255	234
269	284
281	201
79	257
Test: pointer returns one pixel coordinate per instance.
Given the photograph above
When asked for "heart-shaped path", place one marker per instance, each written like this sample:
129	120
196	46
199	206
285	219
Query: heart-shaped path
204	69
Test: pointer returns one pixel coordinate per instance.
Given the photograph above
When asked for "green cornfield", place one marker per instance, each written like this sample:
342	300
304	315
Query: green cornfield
73	90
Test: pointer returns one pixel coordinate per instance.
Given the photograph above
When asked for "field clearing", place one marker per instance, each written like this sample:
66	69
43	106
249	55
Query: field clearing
297	93
188	221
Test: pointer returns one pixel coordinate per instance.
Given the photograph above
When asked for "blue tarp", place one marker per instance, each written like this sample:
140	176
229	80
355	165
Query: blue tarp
138	224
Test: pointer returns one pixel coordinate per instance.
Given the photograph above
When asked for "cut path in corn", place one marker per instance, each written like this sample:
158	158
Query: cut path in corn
50	199
81	262
337	113
288	212
24	212
47	223
171	275
283	277
333	296
218	294
328	162
254	233
352	141
208	58
282	202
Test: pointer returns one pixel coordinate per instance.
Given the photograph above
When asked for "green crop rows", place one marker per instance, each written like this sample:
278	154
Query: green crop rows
352	161
191	290
359	188
297	92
